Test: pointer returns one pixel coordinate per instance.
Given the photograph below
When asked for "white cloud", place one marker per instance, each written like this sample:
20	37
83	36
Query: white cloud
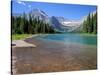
20	2
23	3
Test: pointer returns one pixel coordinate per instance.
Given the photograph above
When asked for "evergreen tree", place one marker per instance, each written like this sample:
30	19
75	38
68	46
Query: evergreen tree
95	23
90	24
29	24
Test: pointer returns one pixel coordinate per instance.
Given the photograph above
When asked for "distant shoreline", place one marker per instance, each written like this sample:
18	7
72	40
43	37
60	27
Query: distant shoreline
24	36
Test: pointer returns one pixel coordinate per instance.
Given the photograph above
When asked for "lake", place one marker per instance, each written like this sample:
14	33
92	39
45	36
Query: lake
70	38
57	52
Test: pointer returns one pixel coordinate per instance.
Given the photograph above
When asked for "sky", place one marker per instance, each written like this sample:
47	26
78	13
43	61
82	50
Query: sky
68	11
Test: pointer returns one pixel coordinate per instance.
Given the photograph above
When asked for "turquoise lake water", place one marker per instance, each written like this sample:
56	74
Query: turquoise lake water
60	52
70	38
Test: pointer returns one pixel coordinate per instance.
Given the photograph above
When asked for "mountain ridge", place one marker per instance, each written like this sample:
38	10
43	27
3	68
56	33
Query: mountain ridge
58	22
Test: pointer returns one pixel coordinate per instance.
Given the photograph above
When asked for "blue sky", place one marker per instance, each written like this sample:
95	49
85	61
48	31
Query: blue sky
68	11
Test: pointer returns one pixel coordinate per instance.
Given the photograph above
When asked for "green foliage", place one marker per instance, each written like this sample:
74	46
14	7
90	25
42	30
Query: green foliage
20	36
95	23
29	25
90	24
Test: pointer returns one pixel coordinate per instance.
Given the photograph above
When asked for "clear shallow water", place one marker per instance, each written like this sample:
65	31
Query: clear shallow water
56	52
70	38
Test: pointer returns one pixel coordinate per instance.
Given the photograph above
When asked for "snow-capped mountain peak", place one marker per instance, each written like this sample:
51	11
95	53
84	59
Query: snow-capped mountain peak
38	12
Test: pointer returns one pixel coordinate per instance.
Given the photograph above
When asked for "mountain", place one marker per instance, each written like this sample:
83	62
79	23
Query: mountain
41	15
60	19
67	25
55	23
64	25
71	25
58	23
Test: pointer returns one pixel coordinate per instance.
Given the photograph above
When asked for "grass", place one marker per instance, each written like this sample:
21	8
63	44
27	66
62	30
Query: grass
23	36
87	34
20	36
